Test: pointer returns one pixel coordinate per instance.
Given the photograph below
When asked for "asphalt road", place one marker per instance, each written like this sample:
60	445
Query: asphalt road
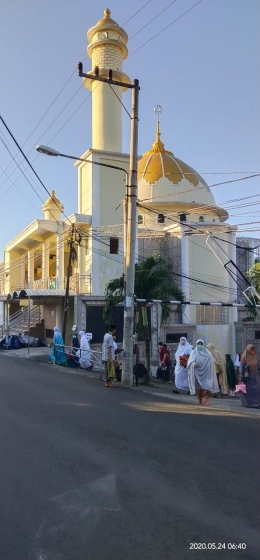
92	473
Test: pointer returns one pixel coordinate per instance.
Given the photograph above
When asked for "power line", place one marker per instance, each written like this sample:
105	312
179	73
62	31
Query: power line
31	167
202	188
135	14
195	229
167	26
19	166
151	20
50	106
120	101
13	184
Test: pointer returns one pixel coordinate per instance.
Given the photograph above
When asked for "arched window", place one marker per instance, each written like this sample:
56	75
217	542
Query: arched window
160	219
183	218
201	219
140	219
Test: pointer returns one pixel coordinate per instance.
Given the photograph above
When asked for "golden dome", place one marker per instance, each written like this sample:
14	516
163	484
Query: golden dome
164	180
53	201
158	163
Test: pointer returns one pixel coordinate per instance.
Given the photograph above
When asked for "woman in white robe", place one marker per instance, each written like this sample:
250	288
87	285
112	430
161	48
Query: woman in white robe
181	373
84	358
201	373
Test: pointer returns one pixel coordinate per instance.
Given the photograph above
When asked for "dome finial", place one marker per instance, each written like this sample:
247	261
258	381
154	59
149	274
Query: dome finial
107	13
158	145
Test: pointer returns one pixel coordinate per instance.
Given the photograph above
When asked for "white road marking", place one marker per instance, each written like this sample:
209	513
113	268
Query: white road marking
74	517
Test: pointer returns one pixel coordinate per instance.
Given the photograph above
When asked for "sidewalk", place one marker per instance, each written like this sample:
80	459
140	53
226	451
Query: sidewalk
228	404
37	353
163	390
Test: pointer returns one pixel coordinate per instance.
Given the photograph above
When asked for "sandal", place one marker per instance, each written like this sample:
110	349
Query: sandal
206	401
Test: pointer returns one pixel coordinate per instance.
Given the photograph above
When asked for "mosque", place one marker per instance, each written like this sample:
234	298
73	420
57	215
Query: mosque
176	213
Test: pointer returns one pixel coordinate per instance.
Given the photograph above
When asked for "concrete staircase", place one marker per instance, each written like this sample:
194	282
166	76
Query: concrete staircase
27	318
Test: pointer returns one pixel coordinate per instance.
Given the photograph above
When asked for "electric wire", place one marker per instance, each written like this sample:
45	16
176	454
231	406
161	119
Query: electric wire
151	20
167	26
120	101
135	14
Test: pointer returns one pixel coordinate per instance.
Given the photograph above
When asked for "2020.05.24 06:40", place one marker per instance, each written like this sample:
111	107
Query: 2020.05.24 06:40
217	546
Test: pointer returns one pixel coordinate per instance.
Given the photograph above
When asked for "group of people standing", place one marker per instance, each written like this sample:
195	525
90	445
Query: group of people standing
204	371
79	354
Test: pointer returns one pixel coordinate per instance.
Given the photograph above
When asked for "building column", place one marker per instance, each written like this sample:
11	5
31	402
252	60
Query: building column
45	263
186	316
59	313
30	269
82	269
22	272
60	259
7	284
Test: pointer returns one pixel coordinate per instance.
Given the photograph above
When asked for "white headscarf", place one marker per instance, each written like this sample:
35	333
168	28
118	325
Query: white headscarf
56	330
82	334
183	348
205	373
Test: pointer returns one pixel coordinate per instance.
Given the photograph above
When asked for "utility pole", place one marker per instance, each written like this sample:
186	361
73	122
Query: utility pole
73	237
130	226
131	197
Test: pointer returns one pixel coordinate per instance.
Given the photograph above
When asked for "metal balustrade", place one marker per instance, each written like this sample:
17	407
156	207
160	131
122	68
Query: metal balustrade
22	320
79	283
95	356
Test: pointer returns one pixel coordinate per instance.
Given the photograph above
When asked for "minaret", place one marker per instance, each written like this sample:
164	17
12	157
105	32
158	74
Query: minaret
107	49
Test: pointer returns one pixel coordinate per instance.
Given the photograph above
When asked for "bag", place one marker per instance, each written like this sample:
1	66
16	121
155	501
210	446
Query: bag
111	373
163	367
246	371
184	360
240	388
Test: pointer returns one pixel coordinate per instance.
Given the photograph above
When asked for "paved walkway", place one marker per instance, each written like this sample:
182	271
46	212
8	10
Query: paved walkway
164	390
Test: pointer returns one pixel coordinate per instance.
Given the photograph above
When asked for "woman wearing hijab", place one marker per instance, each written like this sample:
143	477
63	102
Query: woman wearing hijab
231	375
220	367
237	366
181	374
201	373
84	359
58	355
249	373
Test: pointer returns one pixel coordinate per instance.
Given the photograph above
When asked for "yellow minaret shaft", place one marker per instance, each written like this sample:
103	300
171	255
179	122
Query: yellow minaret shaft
107	49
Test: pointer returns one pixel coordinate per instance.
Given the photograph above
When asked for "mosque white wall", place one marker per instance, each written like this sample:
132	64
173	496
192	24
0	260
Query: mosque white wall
101	193
205	267
214	324
85	190
219	335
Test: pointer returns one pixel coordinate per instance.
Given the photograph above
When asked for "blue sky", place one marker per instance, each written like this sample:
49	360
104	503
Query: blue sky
203	70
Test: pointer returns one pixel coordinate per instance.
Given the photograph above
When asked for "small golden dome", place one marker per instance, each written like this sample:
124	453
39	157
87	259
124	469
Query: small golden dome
107	18
107	24
53	201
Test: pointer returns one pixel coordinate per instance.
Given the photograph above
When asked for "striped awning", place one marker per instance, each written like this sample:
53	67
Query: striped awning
39	293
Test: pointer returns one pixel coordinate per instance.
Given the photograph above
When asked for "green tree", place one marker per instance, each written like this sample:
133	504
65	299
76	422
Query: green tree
154	279
254	277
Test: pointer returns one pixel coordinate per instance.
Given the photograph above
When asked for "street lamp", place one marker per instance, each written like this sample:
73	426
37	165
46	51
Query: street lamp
48	151
129	239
